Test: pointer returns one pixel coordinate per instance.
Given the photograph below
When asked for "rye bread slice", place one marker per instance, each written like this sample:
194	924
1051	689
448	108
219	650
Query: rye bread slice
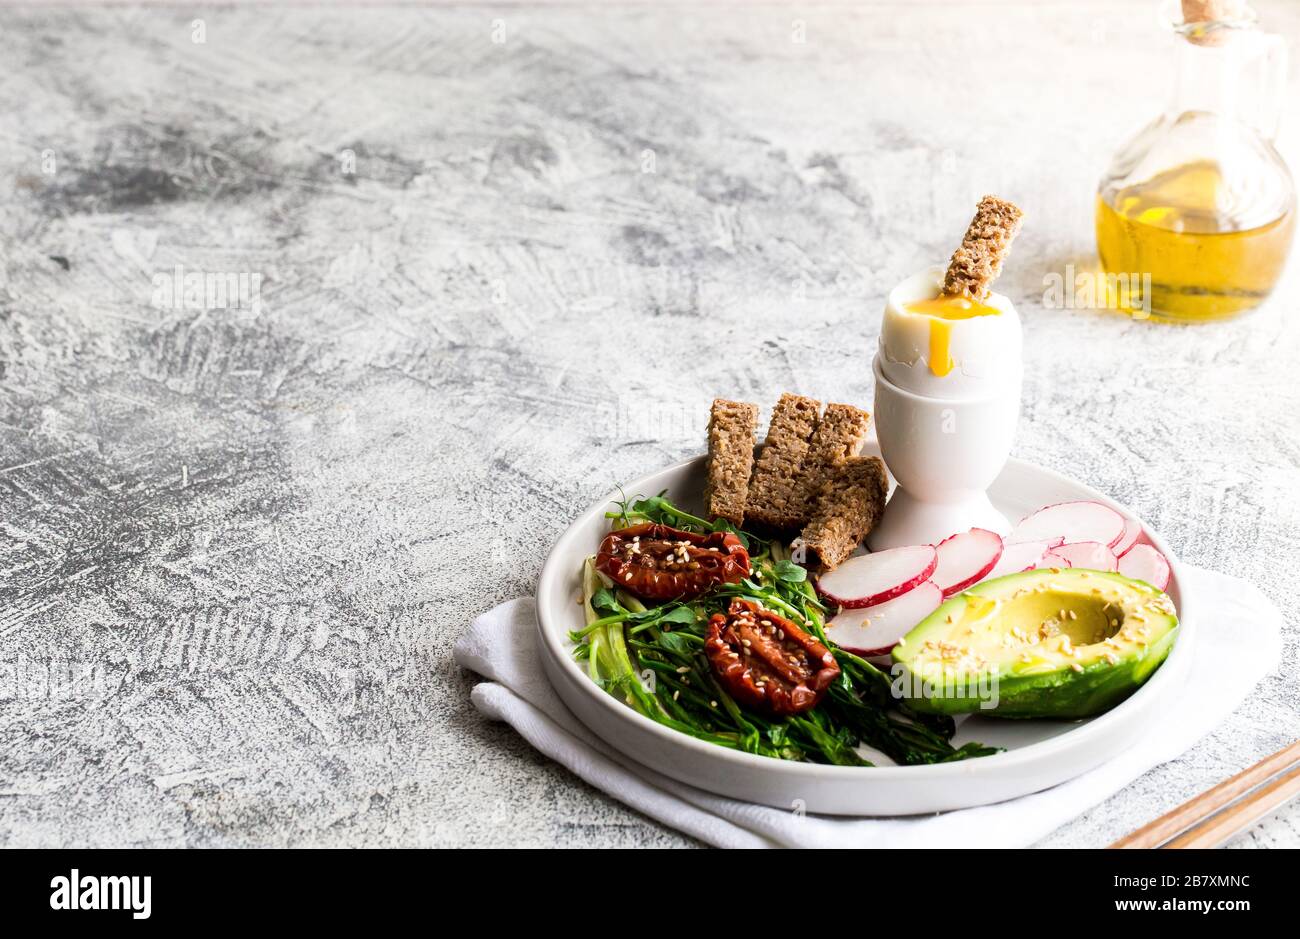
776	490
839	435
731	459
848	508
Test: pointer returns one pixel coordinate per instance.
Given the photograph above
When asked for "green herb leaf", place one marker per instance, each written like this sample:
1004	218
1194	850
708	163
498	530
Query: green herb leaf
676	642
683	614
790	572
602	601
651	506
721	524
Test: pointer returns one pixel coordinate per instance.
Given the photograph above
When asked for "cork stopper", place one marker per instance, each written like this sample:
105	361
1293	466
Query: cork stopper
1200	19
978	261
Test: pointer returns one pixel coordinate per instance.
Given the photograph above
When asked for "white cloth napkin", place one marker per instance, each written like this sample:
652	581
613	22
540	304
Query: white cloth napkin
1232	617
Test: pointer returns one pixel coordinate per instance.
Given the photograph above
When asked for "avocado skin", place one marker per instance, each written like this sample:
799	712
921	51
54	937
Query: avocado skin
1065	694
1061	693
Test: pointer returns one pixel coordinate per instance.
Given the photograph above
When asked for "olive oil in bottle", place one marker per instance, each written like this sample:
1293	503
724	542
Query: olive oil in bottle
1203	262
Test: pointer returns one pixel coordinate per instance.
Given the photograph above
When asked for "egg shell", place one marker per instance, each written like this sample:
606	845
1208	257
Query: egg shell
985	350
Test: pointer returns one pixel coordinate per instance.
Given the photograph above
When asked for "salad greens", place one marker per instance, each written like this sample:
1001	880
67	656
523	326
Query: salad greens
652	658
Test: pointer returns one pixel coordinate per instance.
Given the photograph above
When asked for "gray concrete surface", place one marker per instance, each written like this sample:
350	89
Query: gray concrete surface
497	277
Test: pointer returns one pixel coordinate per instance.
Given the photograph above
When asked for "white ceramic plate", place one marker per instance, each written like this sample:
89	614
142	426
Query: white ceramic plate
1038	753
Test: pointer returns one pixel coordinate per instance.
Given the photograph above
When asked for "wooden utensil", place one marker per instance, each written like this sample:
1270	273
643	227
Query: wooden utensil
1228	809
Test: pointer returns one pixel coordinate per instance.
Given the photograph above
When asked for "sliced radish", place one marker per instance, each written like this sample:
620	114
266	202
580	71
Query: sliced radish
965	558
1086	554
876	629
869	579
1143	562
1132	532
1072	522
1051	559
1020	557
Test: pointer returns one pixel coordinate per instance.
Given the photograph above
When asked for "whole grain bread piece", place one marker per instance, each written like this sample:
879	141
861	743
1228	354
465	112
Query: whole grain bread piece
731	459
776	489
848	508
839	436
977	262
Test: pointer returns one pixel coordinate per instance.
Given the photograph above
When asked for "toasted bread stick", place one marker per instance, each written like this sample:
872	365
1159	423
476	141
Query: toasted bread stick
978	261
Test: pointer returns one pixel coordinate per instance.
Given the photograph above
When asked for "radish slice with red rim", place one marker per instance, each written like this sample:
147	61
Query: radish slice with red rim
1051	560
869	579
1143	562
1072	522
875	630
1022	556
1132	532
965	558
1085	554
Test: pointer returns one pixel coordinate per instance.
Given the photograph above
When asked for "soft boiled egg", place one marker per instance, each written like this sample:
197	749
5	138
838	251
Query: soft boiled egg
948	347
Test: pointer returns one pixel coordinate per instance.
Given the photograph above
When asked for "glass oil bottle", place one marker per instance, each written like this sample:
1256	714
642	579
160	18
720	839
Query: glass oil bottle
1200	200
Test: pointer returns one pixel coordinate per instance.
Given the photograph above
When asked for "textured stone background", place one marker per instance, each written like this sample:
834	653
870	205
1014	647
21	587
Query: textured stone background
238	545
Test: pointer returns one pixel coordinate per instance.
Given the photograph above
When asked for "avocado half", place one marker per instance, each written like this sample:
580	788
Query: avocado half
1043	643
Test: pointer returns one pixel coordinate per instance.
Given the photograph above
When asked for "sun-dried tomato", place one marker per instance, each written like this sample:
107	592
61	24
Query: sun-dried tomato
662	563
767	662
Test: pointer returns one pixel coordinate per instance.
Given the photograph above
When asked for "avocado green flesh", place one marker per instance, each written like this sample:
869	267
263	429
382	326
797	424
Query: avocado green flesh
1044	643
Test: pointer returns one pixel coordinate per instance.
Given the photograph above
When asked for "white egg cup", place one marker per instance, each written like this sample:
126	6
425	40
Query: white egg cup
944	453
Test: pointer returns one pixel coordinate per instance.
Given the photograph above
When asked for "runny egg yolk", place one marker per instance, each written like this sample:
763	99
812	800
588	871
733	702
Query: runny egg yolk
943	312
